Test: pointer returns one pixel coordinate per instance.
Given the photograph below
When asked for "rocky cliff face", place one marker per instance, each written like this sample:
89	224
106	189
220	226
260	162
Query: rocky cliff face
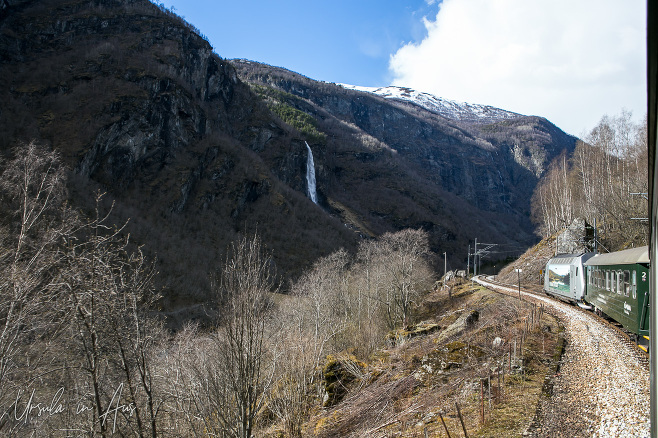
490	164
156	85
197	149
139	106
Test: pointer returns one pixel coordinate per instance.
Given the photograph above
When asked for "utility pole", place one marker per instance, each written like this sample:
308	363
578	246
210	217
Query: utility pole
468	263
477	255
475	258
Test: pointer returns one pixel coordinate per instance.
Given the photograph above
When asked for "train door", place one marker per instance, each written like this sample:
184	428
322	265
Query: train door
573	286
577	282
640	293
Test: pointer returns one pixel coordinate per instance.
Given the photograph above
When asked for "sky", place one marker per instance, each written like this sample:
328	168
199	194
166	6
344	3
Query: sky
571	61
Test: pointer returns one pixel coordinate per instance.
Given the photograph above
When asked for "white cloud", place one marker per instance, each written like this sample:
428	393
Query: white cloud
571	61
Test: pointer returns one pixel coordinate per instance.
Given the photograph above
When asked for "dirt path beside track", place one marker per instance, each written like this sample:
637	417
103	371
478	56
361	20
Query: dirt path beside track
601	389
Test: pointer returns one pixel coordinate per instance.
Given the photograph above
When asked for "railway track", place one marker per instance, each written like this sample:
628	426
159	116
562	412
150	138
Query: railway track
602	388
536	292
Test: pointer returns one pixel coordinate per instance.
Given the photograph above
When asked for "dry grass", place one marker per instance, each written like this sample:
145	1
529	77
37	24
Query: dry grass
412	385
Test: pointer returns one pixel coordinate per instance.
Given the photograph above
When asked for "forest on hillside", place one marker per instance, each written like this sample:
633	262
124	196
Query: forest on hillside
604	181
84	350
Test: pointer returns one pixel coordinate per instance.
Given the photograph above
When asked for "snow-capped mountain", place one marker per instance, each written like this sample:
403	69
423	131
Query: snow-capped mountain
462	111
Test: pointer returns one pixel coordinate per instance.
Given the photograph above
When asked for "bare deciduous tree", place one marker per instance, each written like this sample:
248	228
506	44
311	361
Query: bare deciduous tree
295	389
371	278
604	181
78	286
109	292
405	253
73	287
31	189
236	383
322	311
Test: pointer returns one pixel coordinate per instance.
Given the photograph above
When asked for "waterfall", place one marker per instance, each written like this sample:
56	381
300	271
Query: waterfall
310	176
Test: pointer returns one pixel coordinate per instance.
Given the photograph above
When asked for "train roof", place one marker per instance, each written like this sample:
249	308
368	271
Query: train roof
625	257
567	259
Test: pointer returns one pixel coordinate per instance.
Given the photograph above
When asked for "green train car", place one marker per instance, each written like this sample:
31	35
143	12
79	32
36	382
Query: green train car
618	285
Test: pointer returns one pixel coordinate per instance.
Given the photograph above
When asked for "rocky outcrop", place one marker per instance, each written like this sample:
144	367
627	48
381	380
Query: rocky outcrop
402	335
6	4
577	238
464	321
338	374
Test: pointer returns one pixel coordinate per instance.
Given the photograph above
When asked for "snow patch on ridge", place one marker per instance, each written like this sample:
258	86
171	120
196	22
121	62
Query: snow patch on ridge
449	109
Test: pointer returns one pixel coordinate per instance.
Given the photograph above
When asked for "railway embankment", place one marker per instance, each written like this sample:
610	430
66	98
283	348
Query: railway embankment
479	361
602	386
531	263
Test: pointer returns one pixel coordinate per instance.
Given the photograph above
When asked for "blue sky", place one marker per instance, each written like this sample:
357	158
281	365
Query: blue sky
347	41
569	61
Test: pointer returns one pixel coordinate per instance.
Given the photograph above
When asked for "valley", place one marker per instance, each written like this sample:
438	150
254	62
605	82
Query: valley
221	247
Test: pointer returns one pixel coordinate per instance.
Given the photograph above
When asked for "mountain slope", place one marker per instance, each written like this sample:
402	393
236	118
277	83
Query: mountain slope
196	149
474	179
140	107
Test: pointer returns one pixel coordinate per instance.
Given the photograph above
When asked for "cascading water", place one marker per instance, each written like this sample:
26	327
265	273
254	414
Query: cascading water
310	176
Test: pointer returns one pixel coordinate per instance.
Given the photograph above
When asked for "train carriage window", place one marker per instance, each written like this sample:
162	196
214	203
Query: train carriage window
601	279
613	282
620	283
599	275
607	280
627	285
634	284
593	276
